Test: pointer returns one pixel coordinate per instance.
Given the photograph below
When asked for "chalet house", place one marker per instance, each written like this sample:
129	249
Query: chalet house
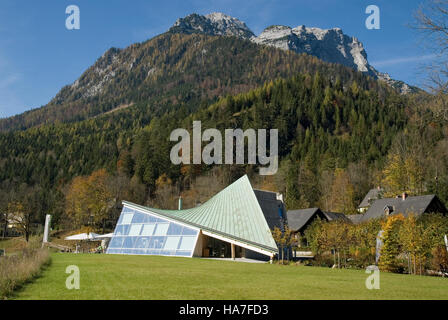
404	205
372	195
299	220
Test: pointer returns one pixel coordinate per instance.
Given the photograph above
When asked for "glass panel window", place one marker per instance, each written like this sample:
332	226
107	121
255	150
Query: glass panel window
161	229
139	232
120	218
122	230
151	219
135	229
157	242
174	229
171	243
142	242
148	229
189	232
167	253
129	242
127	218
187	243
183	253
127	210
116	242
138	218
146	218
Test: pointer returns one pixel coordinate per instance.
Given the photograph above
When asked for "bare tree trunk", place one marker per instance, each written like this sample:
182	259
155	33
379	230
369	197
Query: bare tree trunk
27	228
409	264
415	270
5	228
334	257
282	254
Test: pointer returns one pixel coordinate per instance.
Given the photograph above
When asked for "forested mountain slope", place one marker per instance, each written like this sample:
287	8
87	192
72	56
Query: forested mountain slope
329	113
167	71
334	123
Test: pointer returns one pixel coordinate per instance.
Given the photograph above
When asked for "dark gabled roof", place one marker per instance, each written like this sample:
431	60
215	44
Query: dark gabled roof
271	207
331	216
297	219
372	195
411	205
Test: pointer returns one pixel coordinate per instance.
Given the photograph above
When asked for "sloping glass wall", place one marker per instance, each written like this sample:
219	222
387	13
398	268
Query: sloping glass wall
139	232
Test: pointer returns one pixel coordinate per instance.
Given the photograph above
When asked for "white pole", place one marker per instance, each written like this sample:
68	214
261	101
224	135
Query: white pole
47	228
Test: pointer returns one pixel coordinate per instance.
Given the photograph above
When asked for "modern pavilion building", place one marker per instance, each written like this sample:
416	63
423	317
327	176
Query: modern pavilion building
229	225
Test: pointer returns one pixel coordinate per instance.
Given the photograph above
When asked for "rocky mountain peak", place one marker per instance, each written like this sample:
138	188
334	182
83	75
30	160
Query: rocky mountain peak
216	24
330	45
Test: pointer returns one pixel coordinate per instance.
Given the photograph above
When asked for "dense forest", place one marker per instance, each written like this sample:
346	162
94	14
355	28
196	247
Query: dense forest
340	132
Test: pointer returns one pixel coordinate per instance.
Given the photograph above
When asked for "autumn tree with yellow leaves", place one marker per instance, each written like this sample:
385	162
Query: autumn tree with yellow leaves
342	193
402	174
89	200
391	243
412	236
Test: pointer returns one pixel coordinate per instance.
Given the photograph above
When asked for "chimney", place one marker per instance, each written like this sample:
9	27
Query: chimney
404	196
180	203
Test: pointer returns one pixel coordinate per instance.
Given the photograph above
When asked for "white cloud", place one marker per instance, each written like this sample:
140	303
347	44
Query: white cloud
401	60
9	80
10	102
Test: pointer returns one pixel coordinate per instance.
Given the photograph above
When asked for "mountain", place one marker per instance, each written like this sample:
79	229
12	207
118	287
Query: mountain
330	45
199	59
327	115
172	70
166	71
120	113
215	24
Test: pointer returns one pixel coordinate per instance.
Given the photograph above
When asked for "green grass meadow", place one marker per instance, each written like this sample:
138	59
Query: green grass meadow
153	277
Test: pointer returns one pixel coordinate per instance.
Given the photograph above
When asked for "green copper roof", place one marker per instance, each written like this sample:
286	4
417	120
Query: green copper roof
234	213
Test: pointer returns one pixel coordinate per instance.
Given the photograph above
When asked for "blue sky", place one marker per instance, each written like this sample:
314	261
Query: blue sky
38	55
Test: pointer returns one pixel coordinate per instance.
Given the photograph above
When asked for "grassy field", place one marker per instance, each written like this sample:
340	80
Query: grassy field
152	277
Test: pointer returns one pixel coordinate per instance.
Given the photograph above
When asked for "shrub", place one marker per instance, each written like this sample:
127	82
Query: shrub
440	259
18	269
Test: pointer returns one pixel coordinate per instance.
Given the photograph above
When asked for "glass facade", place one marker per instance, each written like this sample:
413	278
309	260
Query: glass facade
139	232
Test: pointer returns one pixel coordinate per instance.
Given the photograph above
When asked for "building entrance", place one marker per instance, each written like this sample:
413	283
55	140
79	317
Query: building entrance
216	248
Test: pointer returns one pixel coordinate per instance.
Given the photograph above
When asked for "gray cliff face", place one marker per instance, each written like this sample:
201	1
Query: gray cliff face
215	24
330	45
